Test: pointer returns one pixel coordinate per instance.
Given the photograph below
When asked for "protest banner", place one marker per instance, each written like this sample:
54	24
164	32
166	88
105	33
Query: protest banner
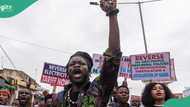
98	61
153	66
54	74
173	75
124	68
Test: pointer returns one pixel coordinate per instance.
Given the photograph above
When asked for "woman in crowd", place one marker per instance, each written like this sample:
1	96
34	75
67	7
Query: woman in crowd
4	97
155	95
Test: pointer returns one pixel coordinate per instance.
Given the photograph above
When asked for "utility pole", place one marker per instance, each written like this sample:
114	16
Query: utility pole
139	3
143	30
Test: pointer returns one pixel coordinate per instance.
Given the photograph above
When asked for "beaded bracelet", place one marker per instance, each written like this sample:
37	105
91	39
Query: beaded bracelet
113	12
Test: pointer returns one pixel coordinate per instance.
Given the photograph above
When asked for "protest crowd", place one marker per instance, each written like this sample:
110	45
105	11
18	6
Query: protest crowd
103	91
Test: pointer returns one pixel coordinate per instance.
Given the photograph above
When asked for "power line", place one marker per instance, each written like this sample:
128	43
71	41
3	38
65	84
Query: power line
36	45
141	16
6	54
148	1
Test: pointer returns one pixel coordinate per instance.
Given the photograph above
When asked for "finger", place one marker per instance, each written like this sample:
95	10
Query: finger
114	3
101	2
102	5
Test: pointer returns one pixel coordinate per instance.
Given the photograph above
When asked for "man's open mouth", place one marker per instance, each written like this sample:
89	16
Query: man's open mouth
23	100
77	73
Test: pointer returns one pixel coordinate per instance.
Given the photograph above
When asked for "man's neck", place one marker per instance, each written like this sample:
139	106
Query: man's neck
79	87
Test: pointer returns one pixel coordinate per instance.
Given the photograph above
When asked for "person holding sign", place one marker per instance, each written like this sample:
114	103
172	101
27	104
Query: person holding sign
81	92
155	95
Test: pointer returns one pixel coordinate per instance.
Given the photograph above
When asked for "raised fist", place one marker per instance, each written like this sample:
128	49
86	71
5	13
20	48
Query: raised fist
108	5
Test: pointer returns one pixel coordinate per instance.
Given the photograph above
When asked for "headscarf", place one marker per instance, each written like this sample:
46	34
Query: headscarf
7	92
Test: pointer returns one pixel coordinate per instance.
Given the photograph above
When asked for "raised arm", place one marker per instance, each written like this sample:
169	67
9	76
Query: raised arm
114	39
108	76
109	7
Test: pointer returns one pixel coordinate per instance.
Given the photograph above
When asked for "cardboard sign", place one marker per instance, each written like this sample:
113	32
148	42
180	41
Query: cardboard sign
98	61
54	74
153	66
124	69
173	75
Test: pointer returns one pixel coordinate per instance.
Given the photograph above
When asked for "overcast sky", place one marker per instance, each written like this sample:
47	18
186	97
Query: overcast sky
51	30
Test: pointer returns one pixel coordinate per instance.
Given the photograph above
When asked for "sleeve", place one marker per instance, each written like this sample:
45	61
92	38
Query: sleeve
109	73
59	99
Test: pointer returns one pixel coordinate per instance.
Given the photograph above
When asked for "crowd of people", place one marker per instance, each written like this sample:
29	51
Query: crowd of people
103	91
153	95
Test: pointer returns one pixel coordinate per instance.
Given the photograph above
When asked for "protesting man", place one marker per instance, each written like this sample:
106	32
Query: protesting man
81	92
25	98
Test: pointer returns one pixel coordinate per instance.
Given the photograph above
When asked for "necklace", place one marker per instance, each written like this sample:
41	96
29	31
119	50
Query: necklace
69	98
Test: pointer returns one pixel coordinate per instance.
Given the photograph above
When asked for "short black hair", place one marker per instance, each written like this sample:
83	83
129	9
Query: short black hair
86	56
122	86
148	100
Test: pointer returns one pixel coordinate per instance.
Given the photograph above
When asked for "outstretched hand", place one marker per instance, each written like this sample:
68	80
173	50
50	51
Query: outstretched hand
108	5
